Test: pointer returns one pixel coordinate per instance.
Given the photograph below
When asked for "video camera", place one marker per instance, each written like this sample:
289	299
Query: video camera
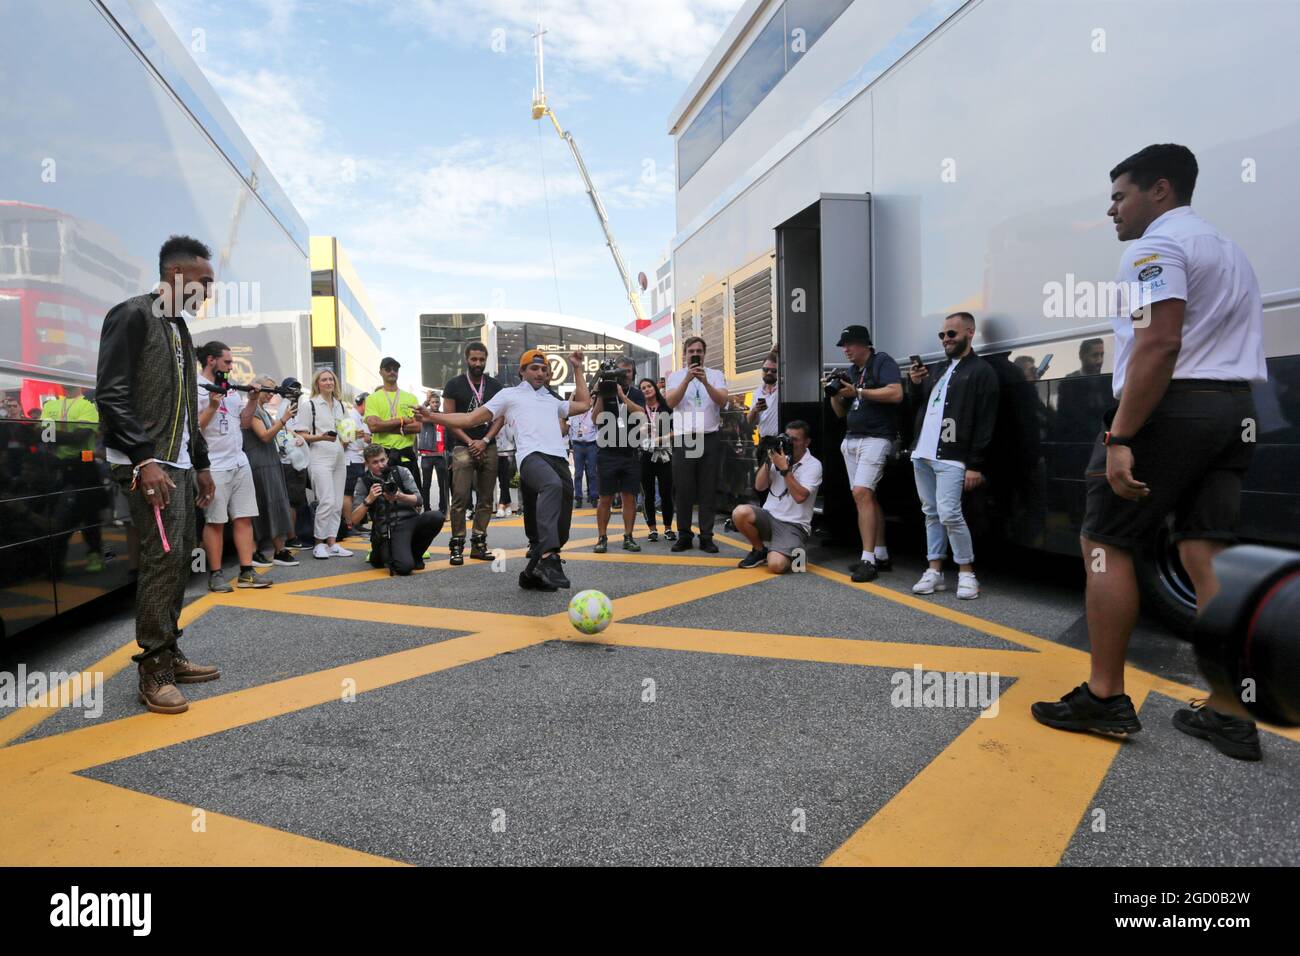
835	380
1246	641
609	378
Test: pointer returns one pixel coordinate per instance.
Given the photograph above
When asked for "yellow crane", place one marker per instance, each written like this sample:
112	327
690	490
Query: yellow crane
540	109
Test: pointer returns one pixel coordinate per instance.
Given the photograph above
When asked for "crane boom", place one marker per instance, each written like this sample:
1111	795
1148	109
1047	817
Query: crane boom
540	109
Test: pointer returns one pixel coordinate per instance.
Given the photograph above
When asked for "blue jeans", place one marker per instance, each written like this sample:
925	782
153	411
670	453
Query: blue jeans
939	485
584	463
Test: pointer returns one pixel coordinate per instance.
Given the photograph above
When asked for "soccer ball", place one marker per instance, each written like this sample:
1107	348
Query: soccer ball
590	612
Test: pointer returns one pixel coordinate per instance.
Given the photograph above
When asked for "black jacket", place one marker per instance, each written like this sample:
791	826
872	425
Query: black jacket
142	401
971	403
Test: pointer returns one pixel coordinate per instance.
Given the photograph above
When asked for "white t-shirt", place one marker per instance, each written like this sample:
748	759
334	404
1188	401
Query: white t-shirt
697	411
767	419
327	414
535	416
358	445
927	446
1181	256
781	504
224	436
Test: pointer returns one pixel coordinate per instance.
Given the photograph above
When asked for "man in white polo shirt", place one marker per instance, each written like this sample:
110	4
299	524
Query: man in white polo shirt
696	395
1189	339
535	414
778	531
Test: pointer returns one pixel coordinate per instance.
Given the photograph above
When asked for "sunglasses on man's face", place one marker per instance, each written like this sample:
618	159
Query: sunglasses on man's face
948	334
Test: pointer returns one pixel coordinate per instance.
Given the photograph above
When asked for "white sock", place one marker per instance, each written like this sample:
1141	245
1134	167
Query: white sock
868	557
882	553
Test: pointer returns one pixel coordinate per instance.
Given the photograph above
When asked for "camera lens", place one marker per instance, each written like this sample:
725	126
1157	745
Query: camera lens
1246	638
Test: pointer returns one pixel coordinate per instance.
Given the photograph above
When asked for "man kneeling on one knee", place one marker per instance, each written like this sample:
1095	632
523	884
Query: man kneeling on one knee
778	531
401	531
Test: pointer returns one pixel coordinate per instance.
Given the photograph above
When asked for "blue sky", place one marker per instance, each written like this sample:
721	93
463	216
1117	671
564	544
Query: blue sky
403	127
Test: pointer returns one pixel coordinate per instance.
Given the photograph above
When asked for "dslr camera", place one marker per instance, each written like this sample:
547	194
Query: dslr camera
781	444
835	380
388	482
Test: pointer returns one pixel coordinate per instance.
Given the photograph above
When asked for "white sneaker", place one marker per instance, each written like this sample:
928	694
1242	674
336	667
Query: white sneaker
930	582
510	511
339	552
967	587
321	551
501	511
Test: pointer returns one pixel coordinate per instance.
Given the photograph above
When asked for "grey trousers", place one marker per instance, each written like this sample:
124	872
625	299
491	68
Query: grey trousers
547	486
161	577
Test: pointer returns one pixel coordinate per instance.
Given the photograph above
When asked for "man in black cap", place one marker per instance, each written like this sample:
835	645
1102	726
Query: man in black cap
392	417
868	397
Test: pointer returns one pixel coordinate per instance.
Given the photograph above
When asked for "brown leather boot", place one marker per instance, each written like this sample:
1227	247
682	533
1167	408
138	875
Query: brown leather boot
158	692
187	672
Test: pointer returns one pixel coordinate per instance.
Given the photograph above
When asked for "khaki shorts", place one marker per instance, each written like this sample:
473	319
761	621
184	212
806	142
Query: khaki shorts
235	496
864	460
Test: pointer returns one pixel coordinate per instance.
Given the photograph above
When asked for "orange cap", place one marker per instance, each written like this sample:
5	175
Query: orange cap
531	356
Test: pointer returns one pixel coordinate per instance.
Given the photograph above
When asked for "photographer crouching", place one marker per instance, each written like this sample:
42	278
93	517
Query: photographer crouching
400	532
790	475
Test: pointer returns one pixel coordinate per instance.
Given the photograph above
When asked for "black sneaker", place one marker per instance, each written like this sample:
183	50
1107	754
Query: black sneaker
285	558
653	535
456	548
478	548
551	570
864	572
602	545
684	543
1079	710
295	544
884	564
531	580
757	557
629	543
260	560
670	535
1233	736
706	544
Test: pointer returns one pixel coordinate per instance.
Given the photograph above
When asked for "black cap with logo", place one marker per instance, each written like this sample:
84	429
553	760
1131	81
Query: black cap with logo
854	333
390	362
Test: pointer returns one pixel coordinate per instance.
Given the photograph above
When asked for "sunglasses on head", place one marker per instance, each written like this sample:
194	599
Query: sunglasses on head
948	334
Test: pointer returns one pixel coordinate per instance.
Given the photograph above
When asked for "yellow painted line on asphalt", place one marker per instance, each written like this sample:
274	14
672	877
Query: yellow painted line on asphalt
24	719
617	554
828	650
83	822
104	743
684	592
376	612
1007	792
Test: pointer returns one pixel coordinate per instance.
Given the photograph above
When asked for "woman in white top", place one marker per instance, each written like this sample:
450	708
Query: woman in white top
319	422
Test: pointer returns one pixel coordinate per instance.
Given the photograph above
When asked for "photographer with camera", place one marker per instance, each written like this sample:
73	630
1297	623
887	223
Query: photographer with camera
224	415
867	396
274	522
545	481
618	468
697	396
779	529
399	532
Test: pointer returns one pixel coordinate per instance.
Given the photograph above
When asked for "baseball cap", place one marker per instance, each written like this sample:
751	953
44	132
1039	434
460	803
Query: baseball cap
390	362
854	333
531	356
290	383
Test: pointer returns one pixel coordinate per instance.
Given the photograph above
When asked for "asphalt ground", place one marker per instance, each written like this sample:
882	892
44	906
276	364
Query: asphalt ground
726	717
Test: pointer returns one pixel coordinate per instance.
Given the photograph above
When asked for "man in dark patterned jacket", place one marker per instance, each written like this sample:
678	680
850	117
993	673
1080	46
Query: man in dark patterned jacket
146	396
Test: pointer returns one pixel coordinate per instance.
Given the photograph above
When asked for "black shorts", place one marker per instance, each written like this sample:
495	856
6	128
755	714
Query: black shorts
618	472
1192	454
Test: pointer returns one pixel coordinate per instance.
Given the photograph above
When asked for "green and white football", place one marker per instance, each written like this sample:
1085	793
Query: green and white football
590	612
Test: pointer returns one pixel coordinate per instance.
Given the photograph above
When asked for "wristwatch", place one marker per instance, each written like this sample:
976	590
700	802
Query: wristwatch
1110	438
783	472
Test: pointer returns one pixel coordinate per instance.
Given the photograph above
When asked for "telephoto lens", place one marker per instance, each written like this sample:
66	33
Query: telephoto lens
1248	636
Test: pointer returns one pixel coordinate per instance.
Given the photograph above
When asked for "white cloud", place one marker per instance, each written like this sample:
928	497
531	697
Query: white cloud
619	39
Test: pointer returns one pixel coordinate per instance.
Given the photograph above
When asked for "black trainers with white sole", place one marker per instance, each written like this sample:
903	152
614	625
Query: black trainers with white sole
1079	710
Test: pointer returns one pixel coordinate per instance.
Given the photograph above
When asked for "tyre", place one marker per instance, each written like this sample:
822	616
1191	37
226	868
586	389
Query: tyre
1166	587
